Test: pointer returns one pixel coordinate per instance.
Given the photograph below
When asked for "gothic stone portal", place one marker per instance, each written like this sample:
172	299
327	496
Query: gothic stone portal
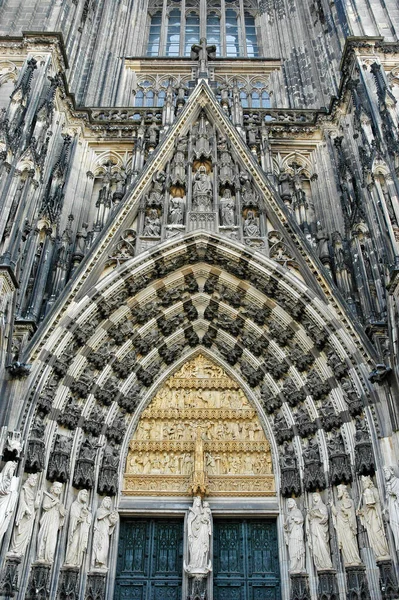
200	436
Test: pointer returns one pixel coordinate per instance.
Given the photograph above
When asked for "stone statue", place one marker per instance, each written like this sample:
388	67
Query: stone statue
371	517
106	520
202	190
152	225
29	502
293	529
202	52
392	484
251	225
199	531
8	495
227	209
317	531
176	211
344	519
78	532
51	521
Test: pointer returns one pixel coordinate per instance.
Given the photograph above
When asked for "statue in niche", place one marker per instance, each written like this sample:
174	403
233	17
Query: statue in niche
178	165
371	517
78	532
199	531
227	209
294	537
248	195
176	211
8	495
156	194
392	485
29	502
152	224
106	520
51	521
317	532
202	190
201	133
251	224
344	519
226	174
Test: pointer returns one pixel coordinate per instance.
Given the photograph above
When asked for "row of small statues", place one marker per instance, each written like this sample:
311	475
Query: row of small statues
52	519
182	398
156	430
344	520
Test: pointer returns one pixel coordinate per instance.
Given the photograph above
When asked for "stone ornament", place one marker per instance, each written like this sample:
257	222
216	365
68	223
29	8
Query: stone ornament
371	517
104	526
344	519
392	486
199	532
8	495
317	532
29	502
78	532
294	537
52	520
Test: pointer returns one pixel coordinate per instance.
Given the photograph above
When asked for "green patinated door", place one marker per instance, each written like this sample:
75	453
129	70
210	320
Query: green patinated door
245	560
150	560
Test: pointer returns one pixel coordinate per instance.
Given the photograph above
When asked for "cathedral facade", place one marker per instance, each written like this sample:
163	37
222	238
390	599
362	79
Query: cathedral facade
199	298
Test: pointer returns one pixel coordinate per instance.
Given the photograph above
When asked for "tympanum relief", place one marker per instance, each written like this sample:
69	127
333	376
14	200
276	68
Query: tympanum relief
199	435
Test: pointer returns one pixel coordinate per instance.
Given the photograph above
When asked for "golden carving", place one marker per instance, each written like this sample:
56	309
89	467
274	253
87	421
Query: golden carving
199	436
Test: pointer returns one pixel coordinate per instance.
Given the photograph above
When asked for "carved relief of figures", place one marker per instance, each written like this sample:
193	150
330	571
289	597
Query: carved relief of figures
29	502
152	224
8	495
106	520
344	519
51	521
176	211
251	224
227	209
294	537
318	535
392	485
78	531
199	531
371	517
202	190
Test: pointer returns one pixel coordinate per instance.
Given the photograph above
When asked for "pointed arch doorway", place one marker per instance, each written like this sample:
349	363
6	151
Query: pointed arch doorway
199	435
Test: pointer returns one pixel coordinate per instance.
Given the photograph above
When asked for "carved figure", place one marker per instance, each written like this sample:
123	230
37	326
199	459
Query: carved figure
392	484
199	530
176	211
251	225
344	519
106	520
202	190
52	520
203	53
152	225
227	209
371	518
29	502
294	537
78	532
8	495
317	530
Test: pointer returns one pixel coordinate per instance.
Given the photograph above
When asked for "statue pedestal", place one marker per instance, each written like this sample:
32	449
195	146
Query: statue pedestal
299	587
357	582
327	587
388	581
95	587
198	585
9	576
68	586
39	581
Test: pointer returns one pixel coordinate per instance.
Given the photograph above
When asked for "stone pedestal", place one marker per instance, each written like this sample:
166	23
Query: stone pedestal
95	587
388	581
9	577
327	588
68	586
299	587
357	585
39	582
197	586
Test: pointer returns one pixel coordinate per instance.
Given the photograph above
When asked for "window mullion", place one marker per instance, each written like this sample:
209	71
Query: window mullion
202	19
162	43
241	31
223	50
183	28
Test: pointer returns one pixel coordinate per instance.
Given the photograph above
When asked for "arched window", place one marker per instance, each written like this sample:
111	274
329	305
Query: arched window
192	31
265	100
173	35
213	31
232	42
154	35
139	99
250	36
244	99
149	98
161	98
255	100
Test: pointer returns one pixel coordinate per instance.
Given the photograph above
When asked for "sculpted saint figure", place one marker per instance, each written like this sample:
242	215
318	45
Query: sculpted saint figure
78	532
226	209
344	519
392	483
317	529
176	211
152	226
8	495
29	502
371	517
199	530
251	225
293	528
202	190
52	520
106	520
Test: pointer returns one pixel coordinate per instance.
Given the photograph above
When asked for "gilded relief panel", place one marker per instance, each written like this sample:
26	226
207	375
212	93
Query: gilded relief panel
199	435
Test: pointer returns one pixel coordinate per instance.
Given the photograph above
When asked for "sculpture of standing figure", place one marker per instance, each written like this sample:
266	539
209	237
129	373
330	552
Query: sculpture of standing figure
78	532
202	190
199	530
8	495
293	528
344	519
29	502
106	520
392	483
371	518
176	211
317	530
52	520
227	209
251	225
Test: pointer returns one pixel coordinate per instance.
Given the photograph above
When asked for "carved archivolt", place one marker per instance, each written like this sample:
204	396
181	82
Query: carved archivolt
199	434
